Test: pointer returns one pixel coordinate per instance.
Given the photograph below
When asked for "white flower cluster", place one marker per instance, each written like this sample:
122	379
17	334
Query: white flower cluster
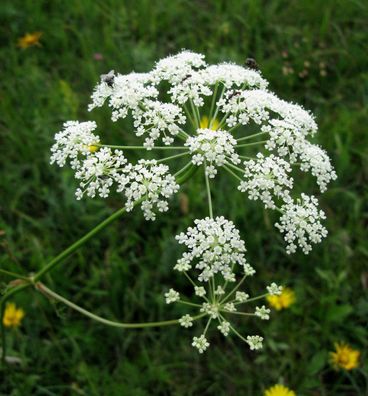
150	182
237	96
98	172
99	168
214	148
156	119
215	246
75	139
233	76
265	177
274	290
301	224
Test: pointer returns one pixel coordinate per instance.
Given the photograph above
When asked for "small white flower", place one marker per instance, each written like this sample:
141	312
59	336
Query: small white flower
172	296
230	307
214	245
301	224
255	342
75	139
210	309
224	328
99	171
241	296
199	291
274	290
248	270
266	177
200	343
186	321
219	291
214	148
263	312
151	182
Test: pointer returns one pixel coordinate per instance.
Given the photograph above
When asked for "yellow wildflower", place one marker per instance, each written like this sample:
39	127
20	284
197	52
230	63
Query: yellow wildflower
279	390
29	39
205	123
12	315
344	356
283	300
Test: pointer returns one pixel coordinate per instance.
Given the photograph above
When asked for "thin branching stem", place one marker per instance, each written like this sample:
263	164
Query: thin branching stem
251	144
250	136
49	293
143	147
208	189
171	157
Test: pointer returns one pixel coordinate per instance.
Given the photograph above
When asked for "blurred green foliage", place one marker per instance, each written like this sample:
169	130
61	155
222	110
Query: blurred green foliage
312	52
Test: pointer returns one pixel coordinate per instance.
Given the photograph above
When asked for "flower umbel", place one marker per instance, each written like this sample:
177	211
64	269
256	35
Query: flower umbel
344	357
12	316
214	117
216	255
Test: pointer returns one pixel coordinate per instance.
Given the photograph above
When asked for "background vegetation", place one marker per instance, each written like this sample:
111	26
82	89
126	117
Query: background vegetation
313	52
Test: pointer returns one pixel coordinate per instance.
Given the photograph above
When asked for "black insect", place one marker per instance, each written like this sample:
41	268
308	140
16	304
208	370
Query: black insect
186	77
251	64
234	93
108	78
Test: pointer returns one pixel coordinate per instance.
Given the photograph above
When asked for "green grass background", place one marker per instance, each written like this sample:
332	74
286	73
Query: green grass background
122	273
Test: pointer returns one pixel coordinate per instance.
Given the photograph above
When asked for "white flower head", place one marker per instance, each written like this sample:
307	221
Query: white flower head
274	290
215	245
230	307
300	224
224	328
76	138
254	342
200	343
241	296
215	148
177	67
157	119
265	178
200	291
150	182
99	171
186	321
172	296
263	312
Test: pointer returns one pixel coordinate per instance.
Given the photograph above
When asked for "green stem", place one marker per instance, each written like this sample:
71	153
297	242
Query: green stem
76	245
190	117
208	192
171	157
217	108
46	291
143	147
251	144
239	313
233	290
195	114
13	274
250	136
252	299
233	173
213	101
189	303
